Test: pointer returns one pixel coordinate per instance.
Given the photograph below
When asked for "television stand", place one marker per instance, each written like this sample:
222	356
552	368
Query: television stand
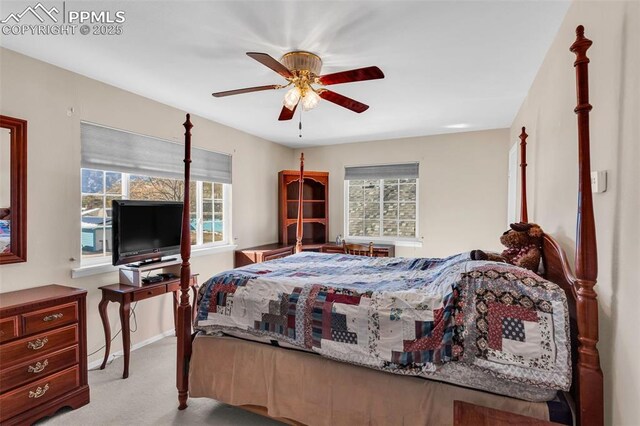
133	274
150	262
124	295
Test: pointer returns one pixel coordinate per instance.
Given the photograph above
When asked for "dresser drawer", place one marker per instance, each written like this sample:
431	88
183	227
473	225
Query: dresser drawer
38	367
8	328
36	393
146	293
49	318
272	255
331	249
33	347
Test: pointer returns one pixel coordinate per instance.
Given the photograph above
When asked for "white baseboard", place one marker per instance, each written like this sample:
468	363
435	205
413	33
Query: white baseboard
94	364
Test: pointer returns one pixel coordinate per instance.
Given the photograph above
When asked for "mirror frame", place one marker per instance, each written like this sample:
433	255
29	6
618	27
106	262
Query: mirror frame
18	173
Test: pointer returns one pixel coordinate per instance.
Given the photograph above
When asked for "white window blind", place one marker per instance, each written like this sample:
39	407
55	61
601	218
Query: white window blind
382	201
104	148
385	171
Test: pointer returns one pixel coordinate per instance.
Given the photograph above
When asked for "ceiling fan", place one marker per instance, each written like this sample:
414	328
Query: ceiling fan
302	71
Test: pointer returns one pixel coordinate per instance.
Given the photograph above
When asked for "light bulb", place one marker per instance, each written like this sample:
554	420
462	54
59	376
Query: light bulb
291	98
310	100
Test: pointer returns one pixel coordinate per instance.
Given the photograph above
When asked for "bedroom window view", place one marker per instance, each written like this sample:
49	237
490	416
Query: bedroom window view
382	208
100	188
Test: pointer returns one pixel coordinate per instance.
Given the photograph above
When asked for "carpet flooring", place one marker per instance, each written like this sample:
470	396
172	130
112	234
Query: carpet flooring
148	396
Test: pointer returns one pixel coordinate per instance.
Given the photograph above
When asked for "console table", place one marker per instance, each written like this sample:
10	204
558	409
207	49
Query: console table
124	295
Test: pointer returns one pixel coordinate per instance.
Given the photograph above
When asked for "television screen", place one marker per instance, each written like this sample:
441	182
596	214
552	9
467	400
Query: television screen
144	230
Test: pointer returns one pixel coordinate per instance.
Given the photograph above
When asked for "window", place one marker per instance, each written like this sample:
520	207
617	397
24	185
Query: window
383	203
123	165
208	207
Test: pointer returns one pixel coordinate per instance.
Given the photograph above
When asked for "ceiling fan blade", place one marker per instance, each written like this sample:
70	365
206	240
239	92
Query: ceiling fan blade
343	101
270	62
245	90
360	74
286	113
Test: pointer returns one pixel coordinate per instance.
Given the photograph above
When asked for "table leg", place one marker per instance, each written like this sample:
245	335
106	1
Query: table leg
102	307
126	335
175	312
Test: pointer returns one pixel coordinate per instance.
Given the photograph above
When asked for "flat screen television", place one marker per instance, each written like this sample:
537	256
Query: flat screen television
145	230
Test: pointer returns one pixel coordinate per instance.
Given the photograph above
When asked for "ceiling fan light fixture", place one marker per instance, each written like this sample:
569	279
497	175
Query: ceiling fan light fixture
301	70
310	100
291	98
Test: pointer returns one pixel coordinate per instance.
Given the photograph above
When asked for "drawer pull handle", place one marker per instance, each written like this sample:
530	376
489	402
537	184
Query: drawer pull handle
53	317
37	344
38	367
39	391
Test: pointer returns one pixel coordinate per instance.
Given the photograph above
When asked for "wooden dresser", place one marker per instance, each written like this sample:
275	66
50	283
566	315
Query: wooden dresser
467	414
262	253
43	352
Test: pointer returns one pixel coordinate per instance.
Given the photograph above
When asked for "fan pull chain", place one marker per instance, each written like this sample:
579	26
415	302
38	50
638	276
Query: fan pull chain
300	124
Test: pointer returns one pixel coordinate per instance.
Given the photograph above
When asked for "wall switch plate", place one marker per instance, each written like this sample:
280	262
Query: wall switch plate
599	181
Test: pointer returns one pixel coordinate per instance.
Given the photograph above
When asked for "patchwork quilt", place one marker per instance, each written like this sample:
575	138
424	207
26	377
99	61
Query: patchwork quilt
480	324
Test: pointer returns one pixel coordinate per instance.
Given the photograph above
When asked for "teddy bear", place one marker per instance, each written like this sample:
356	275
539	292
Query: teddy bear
523	244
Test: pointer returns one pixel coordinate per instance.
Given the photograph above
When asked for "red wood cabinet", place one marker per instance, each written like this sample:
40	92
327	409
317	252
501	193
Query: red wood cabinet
261	253
43	352
315	207
467	414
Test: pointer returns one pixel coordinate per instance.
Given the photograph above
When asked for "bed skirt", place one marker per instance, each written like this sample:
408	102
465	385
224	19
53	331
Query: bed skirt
313	390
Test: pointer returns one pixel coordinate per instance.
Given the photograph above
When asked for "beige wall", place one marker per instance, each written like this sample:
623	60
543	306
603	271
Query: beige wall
614	75
462	199
43	95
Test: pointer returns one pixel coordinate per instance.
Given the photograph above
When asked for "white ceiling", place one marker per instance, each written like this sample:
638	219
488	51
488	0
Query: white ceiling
446	63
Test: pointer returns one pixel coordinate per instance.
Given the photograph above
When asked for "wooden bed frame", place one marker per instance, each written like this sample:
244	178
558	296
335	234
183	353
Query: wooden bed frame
587	387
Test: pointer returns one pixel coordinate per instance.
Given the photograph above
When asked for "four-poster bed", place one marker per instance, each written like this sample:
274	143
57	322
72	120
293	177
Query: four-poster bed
586	388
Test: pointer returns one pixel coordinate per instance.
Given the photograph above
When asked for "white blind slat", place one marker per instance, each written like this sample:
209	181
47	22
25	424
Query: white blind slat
104	148
384	171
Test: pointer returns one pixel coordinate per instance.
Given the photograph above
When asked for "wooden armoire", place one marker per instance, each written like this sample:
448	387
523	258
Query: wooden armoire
315	207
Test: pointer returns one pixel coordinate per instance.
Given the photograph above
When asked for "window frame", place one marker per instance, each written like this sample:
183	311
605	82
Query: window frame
124	194
381	238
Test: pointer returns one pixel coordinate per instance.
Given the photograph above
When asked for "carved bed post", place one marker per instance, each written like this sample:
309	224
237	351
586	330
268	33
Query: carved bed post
523	177
183	330
589	374
299	228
